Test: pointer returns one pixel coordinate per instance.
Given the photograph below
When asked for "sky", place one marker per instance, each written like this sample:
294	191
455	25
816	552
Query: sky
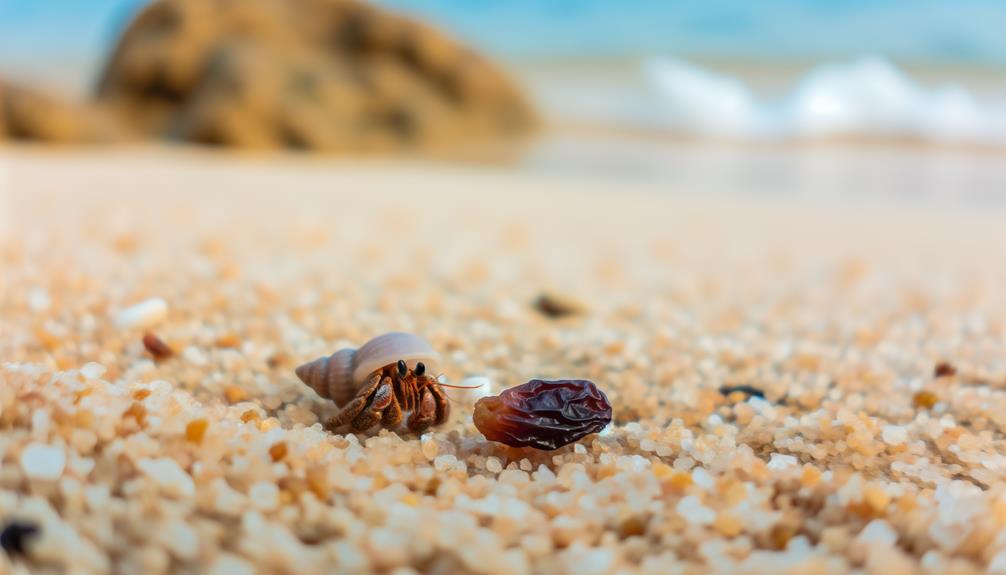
54	41
916	30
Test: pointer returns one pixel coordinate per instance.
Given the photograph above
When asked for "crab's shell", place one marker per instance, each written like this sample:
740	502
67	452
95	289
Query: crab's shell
340	375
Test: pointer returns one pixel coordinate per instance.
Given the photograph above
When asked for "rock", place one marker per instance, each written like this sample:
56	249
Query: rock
29	115
304	74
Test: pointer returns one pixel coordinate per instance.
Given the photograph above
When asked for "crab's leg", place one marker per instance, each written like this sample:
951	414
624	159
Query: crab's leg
392	414
371	416
425	412
351	410
443	407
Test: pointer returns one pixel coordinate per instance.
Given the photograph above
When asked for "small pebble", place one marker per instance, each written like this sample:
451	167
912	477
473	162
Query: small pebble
156	346
264	495
557	306
692	510
493	465
92	370
746	390
444	462
430	448
228	340
278	450
944	369
878	532
41	461
780	461
195	430
168	475
925	399
227	564
894	434
39	300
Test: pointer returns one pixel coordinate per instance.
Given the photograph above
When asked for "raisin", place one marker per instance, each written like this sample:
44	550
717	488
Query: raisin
543	414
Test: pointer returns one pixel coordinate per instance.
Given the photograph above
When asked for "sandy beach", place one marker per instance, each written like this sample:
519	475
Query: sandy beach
875	331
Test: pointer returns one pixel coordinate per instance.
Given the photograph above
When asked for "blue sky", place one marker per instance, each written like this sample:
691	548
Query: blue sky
54	40
916	30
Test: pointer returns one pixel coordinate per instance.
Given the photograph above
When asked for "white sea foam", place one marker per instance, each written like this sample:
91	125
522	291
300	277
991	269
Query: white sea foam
869	98
697	100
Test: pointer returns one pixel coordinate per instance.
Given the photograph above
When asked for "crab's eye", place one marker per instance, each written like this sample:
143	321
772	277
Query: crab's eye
420	369
402	368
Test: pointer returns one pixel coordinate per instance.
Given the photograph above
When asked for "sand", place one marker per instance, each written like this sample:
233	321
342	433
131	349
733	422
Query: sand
212	460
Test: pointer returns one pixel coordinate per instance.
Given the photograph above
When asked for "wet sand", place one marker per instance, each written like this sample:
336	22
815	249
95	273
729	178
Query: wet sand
213	460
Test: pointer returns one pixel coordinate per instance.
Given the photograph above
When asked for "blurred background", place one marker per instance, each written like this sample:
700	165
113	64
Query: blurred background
782	96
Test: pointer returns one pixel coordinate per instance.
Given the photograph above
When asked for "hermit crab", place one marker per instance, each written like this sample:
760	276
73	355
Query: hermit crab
384	381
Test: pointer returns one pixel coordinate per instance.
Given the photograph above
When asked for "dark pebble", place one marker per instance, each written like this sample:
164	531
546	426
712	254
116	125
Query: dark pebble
748	390
15	536
944	369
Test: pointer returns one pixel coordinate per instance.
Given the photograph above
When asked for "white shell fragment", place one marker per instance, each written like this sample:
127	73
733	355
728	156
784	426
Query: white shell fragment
147	313
338	376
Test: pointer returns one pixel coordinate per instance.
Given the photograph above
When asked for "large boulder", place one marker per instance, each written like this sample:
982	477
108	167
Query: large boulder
29	115
312	74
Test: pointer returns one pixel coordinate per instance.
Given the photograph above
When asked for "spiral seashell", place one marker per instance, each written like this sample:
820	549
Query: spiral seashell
338	376
331	376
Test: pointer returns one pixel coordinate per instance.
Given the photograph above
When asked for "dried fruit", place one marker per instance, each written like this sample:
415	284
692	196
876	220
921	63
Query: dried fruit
543	414
156	346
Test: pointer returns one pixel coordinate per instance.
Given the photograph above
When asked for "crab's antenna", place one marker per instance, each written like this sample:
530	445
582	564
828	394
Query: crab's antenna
459	386
437	379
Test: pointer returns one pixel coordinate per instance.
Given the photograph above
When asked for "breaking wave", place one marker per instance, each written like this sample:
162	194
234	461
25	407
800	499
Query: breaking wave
866	98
